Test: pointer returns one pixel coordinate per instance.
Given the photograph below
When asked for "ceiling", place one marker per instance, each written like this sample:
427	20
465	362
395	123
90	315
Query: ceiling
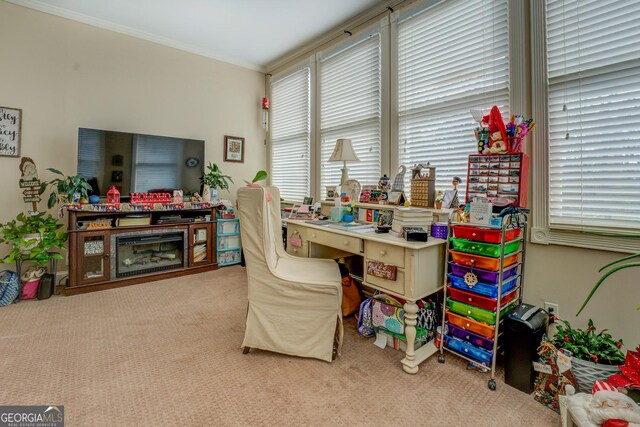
250	33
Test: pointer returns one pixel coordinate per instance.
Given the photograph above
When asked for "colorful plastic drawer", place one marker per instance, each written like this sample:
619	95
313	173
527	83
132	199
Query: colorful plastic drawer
481	248
486	331
484	289
480	301
471	337
466	349
483	234
480	261
485	276
479	314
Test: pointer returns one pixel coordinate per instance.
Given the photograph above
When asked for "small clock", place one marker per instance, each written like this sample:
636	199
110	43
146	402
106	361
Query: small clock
192	162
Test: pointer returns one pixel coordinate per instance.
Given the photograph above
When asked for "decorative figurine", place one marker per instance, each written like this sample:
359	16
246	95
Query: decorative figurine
385	183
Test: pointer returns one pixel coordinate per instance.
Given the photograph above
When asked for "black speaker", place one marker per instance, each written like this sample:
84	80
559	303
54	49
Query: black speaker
45	287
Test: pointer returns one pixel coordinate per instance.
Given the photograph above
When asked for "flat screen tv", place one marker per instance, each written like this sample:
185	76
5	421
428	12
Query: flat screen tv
137	163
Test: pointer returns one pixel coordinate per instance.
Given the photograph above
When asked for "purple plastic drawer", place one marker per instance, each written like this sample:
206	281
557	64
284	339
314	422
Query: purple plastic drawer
475	339
485	276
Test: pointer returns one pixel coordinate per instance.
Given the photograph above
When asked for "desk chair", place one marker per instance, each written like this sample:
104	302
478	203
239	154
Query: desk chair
294	303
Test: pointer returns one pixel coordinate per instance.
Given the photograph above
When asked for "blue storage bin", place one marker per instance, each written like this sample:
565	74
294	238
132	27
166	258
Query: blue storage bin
470	337
484	289
468	350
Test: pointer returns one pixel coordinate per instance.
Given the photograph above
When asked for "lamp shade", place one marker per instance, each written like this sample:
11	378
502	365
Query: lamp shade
343	152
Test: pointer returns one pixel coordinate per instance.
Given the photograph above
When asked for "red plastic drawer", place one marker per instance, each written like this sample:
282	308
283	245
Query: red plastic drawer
483	234
480	301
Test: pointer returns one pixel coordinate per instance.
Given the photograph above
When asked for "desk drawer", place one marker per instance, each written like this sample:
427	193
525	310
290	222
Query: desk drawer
384	253
396	286
302	251
335	240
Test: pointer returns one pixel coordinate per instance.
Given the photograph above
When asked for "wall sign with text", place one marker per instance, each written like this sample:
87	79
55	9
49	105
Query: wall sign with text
10	122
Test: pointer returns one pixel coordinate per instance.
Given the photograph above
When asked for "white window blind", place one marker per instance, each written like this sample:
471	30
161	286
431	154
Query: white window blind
446	68
90	147
291	134
593	66
350	107
156	164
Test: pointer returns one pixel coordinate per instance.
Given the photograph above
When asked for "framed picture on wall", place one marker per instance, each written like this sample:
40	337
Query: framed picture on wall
10	131
233	149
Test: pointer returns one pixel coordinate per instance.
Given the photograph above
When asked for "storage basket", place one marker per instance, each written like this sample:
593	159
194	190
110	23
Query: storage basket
471	337
9	287
480	301
483	234
469	350
484	249
479	314
485	276
484	289
483	262
588	372
480	328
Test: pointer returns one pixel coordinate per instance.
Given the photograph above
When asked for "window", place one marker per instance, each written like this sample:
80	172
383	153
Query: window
446	68
350	107
156	160
291	134
593	70
90	147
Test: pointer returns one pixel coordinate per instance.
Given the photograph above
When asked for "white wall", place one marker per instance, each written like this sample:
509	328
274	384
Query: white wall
65	75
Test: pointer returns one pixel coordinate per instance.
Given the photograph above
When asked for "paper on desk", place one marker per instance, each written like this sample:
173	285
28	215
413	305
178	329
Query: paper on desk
381	340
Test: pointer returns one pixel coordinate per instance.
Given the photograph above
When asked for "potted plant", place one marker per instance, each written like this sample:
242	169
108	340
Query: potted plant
32	238
214	180
595	356
439	199
67	189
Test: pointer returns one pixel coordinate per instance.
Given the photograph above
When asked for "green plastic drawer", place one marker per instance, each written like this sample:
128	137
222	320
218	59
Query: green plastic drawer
481	248
476	313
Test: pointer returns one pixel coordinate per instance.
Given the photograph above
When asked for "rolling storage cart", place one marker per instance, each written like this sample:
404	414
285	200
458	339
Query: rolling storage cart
485	277
229	247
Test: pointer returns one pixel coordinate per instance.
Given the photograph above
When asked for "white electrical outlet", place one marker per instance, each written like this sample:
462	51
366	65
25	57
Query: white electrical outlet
552	309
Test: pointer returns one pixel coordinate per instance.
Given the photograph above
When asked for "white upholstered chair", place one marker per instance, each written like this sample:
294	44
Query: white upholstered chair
294	303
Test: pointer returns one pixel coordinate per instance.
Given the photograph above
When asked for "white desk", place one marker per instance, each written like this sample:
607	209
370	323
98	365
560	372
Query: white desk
420	269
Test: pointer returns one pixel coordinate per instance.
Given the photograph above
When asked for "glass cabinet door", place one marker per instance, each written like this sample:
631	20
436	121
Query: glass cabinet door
200	242
93	259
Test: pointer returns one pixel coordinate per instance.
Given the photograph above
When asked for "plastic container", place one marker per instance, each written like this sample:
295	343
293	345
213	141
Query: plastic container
484	234
476	313
468	350
471	337
480	301
480	328
485	276
485	249
439	230
484	289
480	261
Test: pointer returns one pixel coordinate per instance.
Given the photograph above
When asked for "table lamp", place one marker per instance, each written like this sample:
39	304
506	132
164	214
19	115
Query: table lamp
343	152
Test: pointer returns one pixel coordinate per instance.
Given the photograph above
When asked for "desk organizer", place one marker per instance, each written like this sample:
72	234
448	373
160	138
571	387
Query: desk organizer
484	275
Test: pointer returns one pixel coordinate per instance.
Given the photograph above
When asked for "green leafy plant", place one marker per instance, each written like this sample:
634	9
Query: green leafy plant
215	179
261	175
589	346
613	267
65	187
33	238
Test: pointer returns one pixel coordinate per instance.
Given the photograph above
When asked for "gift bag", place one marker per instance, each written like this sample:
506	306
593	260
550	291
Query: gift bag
387	313
365	327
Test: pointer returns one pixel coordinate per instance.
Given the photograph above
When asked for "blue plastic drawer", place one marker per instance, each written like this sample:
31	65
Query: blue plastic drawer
484	289
468	350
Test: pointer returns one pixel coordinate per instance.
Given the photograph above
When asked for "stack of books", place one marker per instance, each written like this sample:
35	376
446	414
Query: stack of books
410	217
133	220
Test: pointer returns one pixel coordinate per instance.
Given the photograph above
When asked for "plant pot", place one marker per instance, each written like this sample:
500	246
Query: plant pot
84	200
588	372
206	193
438	205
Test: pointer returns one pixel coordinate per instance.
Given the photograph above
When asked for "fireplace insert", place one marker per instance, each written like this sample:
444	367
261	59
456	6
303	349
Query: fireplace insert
147	252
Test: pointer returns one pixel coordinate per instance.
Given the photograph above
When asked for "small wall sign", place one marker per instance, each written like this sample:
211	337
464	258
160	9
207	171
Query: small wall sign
29	182
10	123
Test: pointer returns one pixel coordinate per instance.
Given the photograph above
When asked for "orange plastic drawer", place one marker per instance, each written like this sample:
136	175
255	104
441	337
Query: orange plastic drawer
484	234
480	261
471	325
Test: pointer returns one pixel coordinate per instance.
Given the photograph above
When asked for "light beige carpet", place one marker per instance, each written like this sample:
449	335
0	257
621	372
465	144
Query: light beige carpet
168	354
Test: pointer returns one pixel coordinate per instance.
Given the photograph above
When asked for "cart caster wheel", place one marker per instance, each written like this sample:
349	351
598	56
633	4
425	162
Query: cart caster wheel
441	358
492	384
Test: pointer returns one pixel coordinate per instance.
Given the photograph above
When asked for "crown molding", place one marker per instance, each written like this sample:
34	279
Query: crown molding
132	32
